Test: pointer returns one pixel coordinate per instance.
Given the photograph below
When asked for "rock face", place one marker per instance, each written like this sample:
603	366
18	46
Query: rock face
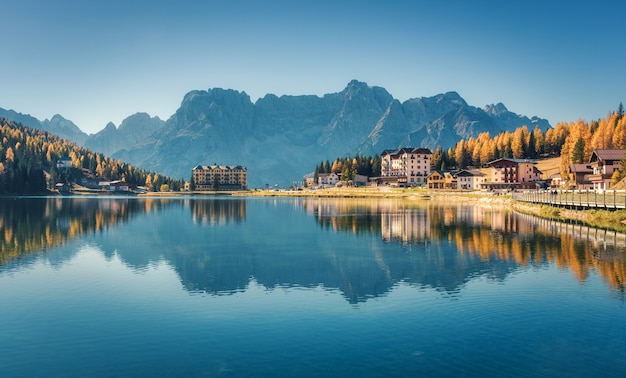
280	139
132	130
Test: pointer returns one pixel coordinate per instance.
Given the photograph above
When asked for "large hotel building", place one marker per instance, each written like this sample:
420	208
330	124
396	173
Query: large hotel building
220	177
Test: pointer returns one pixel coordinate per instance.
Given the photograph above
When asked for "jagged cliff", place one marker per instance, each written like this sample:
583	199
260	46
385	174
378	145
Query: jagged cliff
280	139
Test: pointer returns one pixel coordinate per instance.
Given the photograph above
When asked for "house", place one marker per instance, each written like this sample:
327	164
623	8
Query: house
220	177
119	186
579	176
405	166
435	180
513	174
438	179
603	163
328	179
309	182
360	180
470	179
555	180
64	162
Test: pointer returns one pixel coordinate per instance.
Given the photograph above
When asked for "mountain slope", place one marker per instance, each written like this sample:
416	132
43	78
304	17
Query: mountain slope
132	130
280	139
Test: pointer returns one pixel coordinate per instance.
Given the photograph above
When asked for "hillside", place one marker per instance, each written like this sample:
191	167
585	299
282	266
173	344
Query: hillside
29	158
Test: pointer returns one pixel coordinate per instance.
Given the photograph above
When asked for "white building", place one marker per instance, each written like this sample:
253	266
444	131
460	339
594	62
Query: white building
470	180
410	166
64	162
328	179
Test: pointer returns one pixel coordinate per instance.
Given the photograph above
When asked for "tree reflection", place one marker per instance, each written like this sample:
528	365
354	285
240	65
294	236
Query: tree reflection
361	247
487	233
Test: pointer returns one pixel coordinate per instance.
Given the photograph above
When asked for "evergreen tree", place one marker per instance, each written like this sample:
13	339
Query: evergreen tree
327	167
578	152
376	166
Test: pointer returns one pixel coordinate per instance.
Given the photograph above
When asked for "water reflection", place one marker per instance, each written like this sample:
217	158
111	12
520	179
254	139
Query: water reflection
487	233
363	248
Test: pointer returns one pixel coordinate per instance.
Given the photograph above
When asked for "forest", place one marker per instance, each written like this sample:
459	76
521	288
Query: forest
28	166
573	142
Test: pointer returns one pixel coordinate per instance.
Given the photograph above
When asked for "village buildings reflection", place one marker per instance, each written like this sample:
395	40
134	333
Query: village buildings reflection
218	246
486	232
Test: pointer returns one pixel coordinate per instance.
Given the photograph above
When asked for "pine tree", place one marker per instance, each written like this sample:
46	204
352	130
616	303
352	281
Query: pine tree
578	153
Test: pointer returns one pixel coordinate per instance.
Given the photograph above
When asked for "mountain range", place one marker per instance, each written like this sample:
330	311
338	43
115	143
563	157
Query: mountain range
281	139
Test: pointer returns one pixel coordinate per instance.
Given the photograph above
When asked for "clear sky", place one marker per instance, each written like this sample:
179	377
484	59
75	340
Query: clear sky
100	61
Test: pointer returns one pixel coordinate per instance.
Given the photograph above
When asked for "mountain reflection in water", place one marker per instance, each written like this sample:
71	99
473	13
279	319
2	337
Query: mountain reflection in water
361	247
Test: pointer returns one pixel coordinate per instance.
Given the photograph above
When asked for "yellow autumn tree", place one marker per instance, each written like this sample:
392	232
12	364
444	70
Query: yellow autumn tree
619	131
9	155
519	142
539	140
487	152
603	135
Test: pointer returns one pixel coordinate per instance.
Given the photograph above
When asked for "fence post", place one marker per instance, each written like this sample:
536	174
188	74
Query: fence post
614	201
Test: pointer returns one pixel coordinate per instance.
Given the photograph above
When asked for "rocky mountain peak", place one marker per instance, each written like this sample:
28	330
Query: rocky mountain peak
497	109
280	139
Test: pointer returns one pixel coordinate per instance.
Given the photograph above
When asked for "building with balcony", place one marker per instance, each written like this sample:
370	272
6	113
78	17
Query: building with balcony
513	174
220	177
406	166
579	176
603	163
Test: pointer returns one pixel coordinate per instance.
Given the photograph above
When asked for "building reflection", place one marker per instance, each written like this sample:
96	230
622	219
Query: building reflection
488	233
218	211
214	248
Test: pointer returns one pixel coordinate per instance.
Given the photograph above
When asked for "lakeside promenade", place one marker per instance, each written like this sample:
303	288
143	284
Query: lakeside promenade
574	199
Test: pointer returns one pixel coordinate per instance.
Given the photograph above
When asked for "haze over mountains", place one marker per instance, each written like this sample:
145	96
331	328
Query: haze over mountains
280	139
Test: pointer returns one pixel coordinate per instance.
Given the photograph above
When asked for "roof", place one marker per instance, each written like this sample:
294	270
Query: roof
580	168
407	150
517	161
607	155
466	172
436	171
222	167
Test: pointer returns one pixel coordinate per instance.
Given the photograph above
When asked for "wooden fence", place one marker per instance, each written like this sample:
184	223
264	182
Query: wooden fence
583	199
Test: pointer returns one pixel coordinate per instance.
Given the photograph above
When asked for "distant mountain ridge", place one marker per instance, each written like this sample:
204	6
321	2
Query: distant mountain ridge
280	139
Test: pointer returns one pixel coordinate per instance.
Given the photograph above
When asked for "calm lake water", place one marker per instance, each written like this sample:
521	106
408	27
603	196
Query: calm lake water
107	287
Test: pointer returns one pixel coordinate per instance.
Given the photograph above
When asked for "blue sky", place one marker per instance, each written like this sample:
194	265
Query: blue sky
100	61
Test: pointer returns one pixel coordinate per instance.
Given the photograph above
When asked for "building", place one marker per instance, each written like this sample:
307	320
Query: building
435	179
513	174
328	179
470	179
579	176
220	177
603	163
64	162
406	166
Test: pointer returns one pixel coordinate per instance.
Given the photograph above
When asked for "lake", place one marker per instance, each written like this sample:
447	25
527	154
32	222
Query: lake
267	287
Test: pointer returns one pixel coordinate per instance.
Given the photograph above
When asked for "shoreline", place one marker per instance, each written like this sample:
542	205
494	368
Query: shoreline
614	220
